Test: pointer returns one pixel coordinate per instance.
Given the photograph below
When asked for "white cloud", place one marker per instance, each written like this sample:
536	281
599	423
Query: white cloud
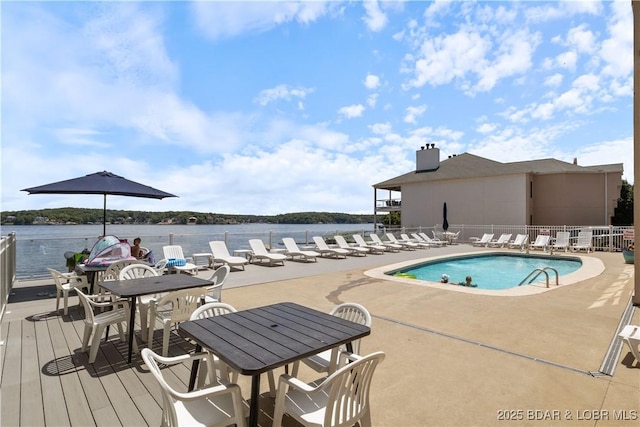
371	81
372	100
282	91
219	20
554	80
486	128
351	111
375	19
567	60
413	113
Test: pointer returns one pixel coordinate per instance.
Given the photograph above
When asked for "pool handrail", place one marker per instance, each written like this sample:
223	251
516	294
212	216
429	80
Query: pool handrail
540	271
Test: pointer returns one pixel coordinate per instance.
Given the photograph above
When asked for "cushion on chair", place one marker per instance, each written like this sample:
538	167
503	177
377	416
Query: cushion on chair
176	262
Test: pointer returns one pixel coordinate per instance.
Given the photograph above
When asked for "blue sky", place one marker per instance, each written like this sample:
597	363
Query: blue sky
276	107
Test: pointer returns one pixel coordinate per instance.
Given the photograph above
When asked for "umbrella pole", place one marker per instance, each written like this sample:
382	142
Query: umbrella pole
104	216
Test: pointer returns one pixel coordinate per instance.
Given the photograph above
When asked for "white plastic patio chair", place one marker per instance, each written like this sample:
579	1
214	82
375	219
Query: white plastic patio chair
95	324
484	240
136	271
584	242
411	246
501	241
218	278
342	399
221	254
353	250
218	405
293	250
631	335
66	282
327	361
541	242
173	308
391	247
519	242
371	247
561	241
225	373
261	255
324	249
180	263
432	241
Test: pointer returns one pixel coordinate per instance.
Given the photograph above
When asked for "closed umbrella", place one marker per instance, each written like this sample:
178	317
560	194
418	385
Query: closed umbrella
101	183
445	223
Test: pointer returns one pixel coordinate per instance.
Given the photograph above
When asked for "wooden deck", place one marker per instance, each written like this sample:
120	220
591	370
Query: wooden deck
48	381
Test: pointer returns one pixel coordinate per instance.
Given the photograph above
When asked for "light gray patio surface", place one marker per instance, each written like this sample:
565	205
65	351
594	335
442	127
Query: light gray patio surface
452	359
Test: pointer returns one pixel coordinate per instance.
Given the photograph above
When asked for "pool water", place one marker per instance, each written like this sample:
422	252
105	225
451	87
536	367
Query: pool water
490	271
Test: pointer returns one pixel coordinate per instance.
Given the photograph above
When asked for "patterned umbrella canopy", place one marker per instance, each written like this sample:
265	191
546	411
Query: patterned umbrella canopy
101	183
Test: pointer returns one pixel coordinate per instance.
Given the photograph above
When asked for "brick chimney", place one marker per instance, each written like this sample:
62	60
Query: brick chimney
427	158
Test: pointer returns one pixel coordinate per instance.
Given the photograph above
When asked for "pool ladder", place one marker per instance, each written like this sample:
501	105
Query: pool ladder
538	271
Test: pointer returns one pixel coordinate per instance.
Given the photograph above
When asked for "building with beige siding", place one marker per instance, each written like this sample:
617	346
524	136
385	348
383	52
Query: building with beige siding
482	191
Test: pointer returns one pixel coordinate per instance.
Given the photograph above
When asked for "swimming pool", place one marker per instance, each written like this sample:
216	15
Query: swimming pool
490	271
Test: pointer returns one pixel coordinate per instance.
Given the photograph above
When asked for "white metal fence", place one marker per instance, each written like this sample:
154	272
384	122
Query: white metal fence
7	268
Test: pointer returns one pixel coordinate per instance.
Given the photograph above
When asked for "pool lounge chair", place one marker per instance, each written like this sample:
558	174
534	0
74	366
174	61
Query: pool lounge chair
221	254
417	240
502	240
484	240
293	251
391	247
353	250
431	241
177	262
373	249
409	246
542	242
519	242
262	256
325	250
584	242
561	241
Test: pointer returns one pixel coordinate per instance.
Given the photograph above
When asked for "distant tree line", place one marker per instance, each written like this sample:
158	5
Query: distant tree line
94	216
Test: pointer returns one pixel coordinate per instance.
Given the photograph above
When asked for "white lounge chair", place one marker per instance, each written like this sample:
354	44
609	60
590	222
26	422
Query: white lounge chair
262	256
325	250
176	261
221	254
432	242
561	241
542	242
417	240
373	249
584	242
294	251
501	241
391	247
484	240
519	242
353	250
410	246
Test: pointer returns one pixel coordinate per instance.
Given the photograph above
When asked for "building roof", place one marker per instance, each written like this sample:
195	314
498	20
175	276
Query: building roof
464	166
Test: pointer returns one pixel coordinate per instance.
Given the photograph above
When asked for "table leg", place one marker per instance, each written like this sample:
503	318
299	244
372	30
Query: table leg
132	322
194	369
254	406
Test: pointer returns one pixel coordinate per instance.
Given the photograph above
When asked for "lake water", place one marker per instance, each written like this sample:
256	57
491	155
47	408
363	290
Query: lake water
43	246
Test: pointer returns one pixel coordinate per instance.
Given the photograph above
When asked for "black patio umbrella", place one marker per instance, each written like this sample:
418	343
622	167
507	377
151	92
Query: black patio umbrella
101	183
445	223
